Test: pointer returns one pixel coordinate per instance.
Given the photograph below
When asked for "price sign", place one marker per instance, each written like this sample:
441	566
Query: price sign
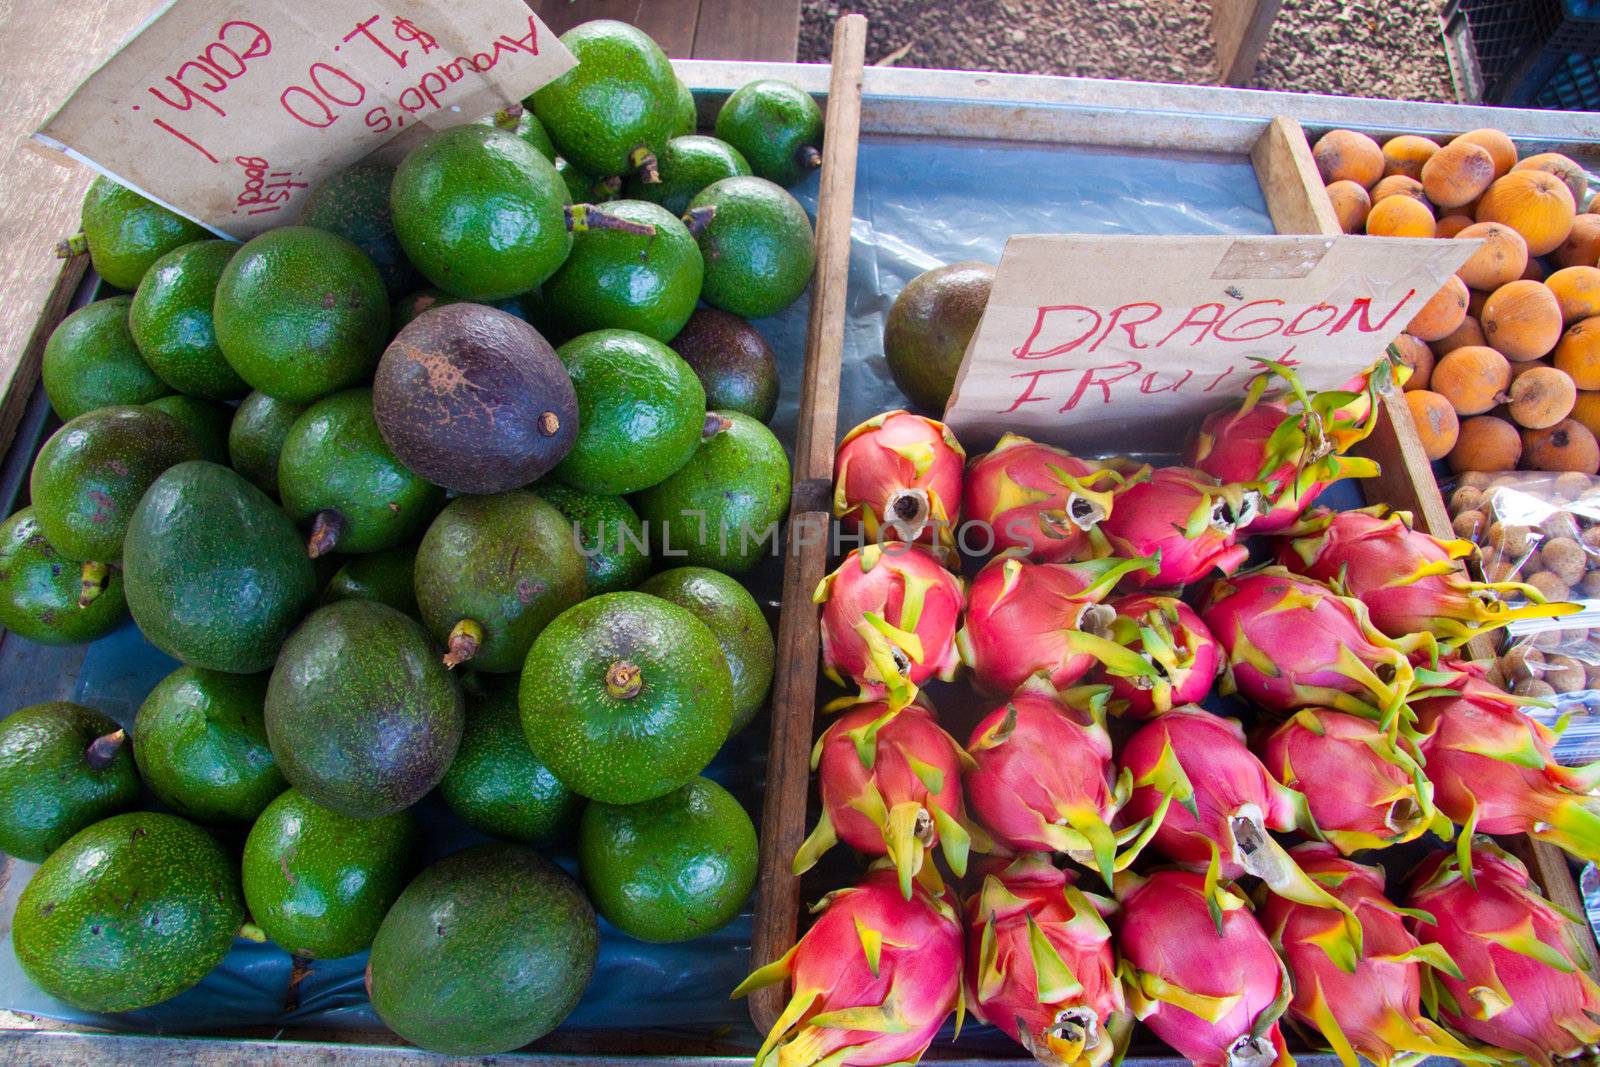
1106	342
229	112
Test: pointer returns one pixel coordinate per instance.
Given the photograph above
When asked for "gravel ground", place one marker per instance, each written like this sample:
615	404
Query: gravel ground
1349	47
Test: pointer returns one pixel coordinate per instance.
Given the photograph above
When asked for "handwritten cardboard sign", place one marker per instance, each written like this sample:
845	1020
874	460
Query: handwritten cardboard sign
1111	342
227	112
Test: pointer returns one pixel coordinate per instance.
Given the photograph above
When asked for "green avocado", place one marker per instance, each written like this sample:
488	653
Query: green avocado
480	212
202	747
735	619
91	361
386	576
688	165
206	421
91	473
361	715
41	591
256	436
778	127
215	573
301	312
318	883
626	697
614	543
733	362
519	119
62	767
641	411
485	951
669	869
615	279
170	319
127	233
354	203
338	478
491	572
722	509
688	115
757	244
130	912
496	784
929	326
614	111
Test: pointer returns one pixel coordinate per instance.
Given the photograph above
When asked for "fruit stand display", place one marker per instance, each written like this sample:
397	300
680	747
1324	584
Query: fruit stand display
659	989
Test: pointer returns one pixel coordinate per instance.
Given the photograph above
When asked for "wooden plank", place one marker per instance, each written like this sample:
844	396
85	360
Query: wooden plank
25	372
1239	29
670	22
1290	184
794	695
767	30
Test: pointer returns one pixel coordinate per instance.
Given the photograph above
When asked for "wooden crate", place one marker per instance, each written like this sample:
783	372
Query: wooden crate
1297	203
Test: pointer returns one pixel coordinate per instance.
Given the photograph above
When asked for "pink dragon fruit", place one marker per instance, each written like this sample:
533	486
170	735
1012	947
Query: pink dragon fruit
1223	805
889	618
891	786
1291	452
873	979
1039	964
1042	778
898	475
1374	1011
1292	643
1363	788
1494	770
1211	987
1523	984
1044	618
1185	520
1410	581
1183	656
1040	501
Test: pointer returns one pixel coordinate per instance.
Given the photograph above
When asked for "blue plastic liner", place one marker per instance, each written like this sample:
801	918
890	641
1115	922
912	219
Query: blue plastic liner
919	203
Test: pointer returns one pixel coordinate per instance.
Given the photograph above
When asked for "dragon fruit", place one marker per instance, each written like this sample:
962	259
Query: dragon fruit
1044	618
1494	770
1410	581
1363	788
1183	656
889	618
1222	806
1040	501
1523	984
874	978
1042	778
899	475
1353	420
1212	988
1292	643
890	781
1291	452
1039	964
1374	1011
1185	520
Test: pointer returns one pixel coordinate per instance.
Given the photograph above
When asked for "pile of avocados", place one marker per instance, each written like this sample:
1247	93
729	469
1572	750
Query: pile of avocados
448	490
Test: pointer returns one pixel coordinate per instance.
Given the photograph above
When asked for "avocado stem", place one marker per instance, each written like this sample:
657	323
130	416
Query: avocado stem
251	932
327	526
581	218
696	219
607	188
643	160
715	423
103	749
466	637
508	117
549	423
92	581
623	680
808	157
75	245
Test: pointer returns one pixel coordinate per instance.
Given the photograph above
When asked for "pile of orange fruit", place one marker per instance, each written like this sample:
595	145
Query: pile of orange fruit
1506	357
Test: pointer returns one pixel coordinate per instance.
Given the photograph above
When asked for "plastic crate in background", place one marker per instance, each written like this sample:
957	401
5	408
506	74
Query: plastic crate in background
1526	53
